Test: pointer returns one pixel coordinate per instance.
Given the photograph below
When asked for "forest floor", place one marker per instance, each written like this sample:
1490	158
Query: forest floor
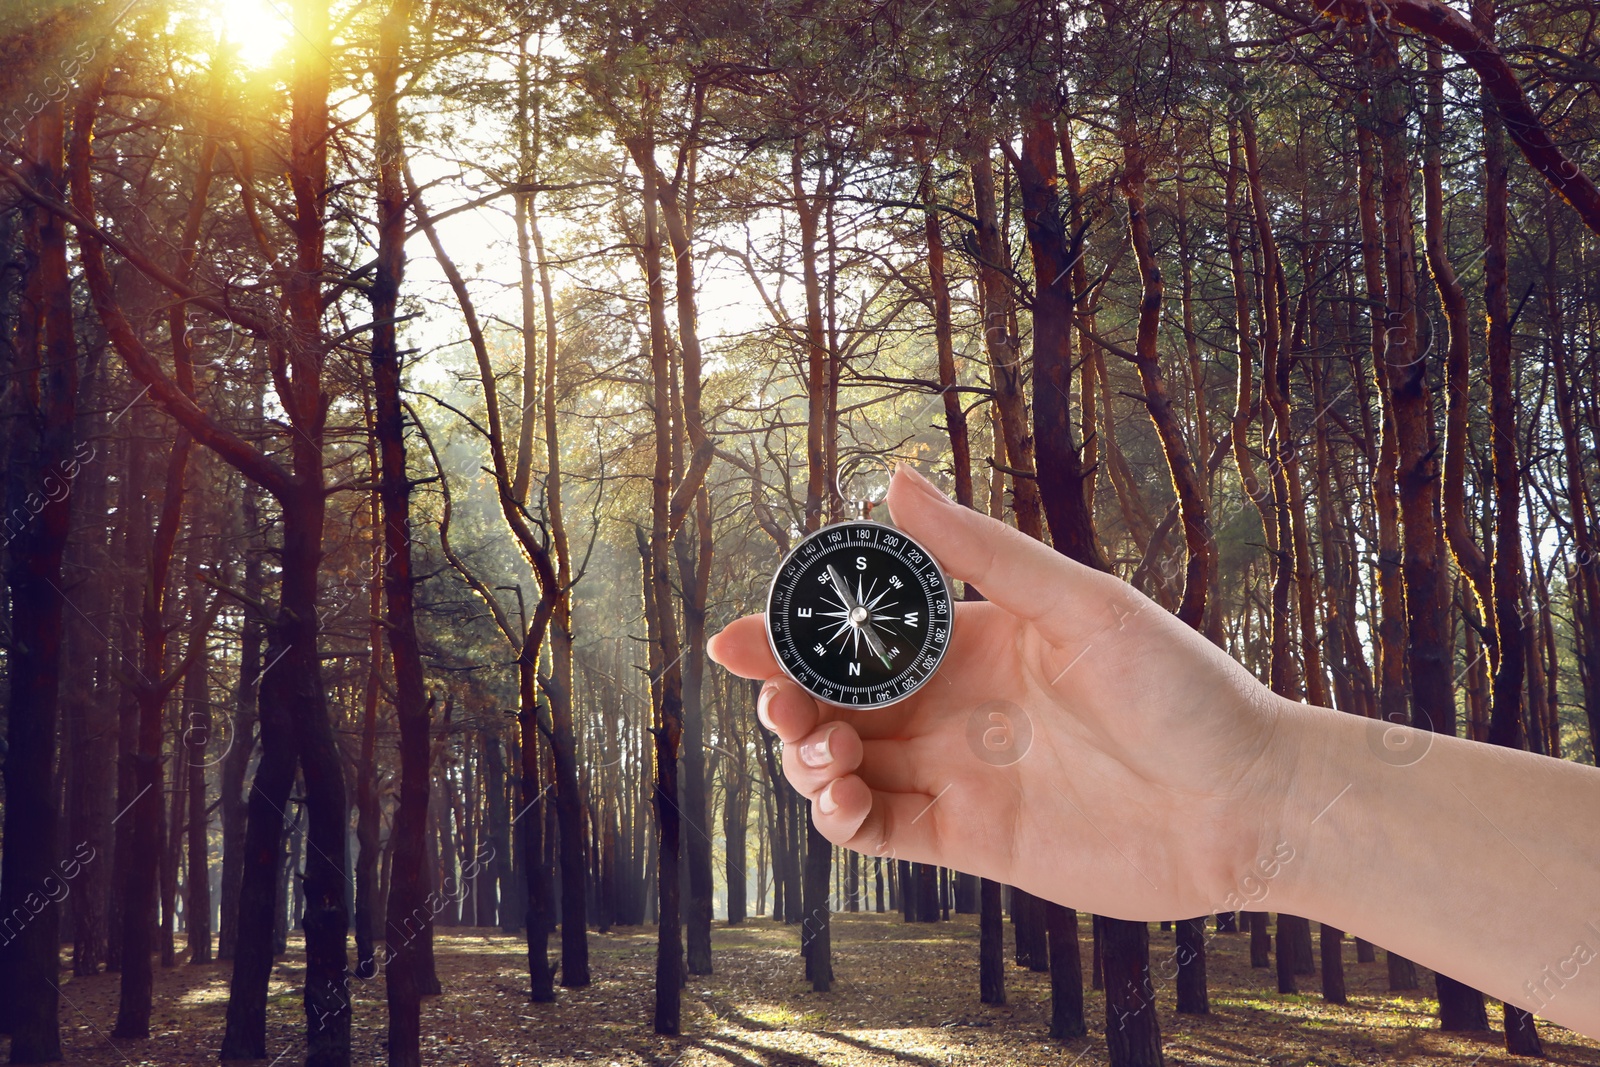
904	994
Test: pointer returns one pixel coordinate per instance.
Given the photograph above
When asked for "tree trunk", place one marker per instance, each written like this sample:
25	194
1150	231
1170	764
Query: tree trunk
1200	546
1260	939
1066	971
1585	574
1198	541
369	816
170	844
408	961
1470	558
499	818
43	454
1129	993
290	902
261	863
991	944
234	804
694	576
135	503
563	743
1410	398
1392	694
152	684
955	416
1509	579
89	730
325	920
536	920
1004	346
197	734
1285	957
736	809
1133	1033
666	681
1190	949
1032	947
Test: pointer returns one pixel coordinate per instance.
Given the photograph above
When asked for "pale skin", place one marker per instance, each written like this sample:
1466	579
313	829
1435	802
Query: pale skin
1162	780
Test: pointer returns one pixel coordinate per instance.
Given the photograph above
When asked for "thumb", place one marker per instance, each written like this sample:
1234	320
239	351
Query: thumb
1062	598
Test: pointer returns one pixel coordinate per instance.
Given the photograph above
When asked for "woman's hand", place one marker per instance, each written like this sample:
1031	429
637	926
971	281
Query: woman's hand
1078	741
1081	743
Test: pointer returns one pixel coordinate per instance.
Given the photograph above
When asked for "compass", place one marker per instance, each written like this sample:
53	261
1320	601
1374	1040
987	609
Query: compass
859	614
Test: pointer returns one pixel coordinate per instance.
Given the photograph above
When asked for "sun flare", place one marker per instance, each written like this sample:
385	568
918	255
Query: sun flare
257	30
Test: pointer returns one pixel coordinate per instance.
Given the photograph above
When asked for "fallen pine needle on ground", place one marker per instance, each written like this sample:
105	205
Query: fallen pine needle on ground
905	994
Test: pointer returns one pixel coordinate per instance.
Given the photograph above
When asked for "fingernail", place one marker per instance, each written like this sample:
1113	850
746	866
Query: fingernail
768	691
816	753
825	802
924	484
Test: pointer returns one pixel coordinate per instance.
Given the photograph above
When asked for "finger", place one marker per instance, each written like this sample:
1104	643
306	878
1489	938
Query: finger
874	823
829	751
742	648
786	709
1064	599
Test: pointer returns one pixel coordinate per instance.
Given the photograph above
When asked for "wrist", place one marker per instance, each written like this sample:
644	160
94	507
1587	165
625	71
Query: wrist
1306	773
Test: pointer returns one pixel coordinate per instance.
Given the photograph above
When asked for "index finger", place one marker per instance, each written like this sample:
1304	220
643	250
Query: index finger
1065	600
742	648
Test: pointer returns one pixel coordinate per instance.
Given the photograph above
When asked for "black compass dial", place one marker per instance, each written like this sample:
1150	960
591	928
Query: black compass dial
859	614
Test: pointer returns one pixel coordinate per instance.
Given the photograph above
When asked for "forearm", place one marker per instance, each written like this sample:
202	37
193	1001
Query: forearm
1480	862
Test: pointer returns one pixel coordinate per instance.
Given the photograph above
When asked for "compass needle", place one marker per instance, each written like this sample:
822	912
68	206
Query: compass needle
875	643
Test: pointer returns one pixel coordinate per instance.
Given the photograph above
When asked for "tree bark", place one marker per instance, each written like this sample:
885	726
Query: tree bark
1132	1031
991	944
369	817
499	823
1469	557
89	726
955	416
666	680
563	743
822	505
134	502
43	460
1066	973
197	735
735	805
406	959
152	685
1509	580
1410	399
234	803
1004	347
1332	946
1585	572
694	575
1260	939
1199	544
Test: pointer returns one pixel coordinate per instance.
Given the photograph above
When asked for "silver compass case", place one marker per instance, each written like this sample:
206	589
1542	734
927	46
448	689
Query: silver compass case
911	614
